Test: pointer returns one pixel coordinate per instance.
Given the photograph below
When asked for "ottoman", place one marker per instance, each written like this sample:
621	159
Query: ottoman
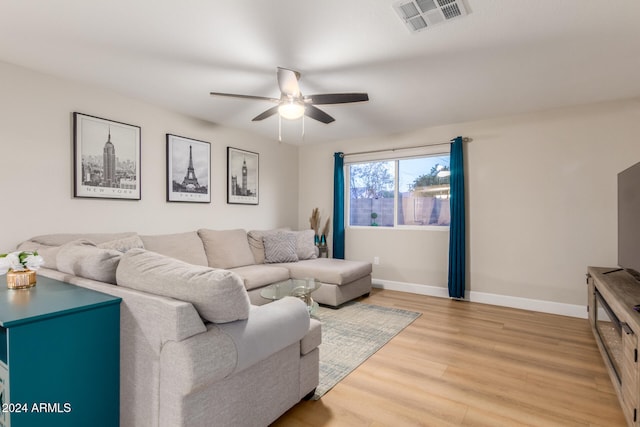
338	280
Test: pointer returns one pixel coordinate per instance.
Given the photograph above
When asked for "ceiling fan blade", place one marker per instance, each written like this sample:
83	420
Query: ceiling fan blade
317	114
288	82
268	113
235	95
337	98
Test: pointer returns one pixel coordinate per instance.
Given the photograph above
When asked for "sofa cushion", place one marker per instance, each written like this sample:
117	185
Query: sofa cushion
270	329
84	259
48	245
329	270
124	244
305	246
219	296
61	239
280	247
226	248
259	275
186	247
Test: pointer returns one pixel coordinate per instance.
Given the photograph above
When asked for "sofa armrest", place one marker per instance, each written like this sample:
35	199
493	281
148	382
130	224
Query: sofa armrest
197	361
269	329
158	319
231	347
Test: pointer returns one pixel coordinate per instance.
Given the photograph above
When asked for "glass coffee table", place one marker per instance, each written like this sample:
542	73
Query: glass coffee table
299	288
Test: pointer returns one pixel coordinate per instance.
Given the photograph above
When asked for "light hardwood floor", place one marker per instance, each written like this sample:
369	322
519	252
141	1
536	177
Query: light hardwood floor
471	364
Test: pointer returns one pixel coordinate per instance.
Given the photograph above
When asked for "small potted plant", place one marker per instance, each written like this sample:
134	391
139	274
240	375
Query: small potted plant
373	219
21	268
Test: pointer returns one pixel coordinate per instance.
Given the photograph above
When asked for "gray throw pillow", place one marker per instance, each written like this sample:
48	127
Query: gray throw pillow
280	247
219	296
256	243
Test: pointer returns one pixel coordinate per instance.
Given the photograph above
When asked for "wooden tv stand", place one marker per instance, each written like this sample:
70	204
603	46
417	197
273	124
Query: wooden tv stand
617	340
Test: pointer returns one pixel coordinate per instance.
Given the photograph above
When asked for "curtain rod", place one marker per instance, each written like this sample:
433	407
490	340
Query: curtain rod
464	139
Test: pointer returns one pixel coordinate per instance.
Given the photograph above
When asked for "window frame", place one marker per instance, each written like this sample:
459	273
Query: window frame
378	157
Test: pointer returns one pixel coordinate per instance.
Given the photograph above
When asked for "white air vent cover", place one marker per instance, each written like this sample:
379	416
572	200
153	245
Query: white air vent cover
420	14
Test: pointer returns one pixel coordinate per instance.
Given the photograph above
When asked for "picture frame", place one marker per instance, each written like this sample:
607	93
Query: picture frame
243	175
106	156
188	170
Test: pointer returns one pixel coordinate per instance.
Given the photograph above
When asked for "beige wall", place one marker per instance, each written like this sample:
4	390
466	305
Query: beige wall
541	188
541	200
36	192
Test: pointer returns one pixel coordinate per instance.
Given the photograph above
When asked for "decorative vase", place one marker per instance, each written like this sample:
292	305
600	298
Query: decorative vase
21	279
316	240
323	240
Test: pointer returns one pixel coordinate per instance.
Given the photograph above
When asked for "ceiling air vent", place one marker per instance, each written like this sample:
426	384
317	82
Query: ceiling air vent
420	14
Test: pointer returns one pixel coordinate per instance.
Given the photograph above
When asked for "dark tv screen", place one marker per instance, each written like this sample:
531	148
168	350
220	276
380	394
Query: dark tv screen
629	220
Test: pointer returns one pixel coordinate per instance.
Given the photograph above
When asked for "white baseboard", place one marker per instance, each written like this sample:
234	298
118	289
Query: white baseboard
551	307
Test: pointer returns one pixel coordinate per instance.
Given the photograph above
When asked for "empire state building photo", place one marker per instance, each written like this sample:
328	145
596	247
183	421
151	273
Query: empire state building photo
107	158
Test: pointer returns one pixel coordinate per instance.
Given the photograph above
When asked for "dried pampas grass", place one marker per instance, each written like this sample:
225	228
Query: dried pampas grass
314	220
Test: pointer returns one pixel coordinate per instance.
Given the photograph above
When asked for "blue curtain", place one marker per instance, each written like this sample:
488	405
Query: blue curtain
338	205
457	271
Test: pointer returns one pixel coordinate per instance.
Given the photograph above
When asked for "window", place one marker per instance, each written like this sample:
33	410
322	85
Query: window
401	192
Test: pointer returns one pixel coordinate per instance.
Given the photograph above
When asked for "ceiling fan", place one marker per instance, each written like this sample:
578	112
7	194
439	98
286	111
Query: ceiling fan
293	105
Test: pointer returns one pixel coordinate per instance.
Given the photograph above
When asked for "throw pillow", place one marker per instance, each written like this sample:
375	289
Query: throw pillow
255	238
84	259
219	296
226	248
280	247
305	246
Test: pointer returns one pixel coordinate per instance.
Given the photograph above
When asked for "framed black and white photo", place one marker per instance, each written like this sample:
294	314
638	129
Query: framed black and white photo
242	177
106	158
188	170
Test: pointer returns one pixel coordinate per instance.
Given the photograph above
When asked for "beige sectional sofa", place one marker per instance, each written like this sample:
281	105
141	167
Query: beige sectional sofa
245	254
199	346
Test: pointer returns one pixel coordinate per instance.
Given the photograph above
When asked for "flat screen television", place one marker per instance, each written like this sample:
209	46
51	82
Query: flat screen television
629	220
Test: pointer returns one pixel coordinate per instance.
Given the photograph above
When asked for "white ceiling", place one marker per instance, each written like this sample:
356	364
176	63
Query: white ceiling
505	57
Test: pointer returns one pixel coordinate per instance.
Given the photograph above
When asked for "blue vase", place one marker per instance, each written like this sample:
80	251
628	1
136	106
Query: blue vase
316	240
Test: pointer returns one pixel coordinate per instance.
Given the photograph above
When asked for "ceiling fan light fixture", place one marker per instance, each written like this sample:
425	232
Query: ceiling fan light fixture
291	110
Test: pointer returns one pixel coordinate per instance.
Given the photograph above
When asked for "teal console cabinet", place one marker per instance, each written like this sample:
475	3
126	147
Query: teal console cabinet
59	356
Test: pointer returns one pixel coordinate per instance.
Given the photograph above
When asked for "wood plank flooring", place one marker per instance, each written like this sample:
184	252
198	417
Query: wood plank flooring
471	364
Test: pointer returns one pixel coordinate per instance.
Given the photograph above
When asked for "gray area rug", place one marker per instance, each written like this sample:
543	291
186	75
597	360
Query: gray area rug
351	334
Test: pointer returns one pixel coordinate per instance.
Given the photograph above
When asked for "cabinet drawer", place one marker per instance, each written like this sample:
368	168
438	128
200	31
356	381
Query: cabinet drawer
4	395
3	345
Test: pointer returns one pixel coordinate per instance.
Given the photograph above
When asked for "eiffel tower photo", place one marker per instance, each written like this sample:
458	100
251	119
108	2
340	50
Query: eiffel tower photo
190	182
